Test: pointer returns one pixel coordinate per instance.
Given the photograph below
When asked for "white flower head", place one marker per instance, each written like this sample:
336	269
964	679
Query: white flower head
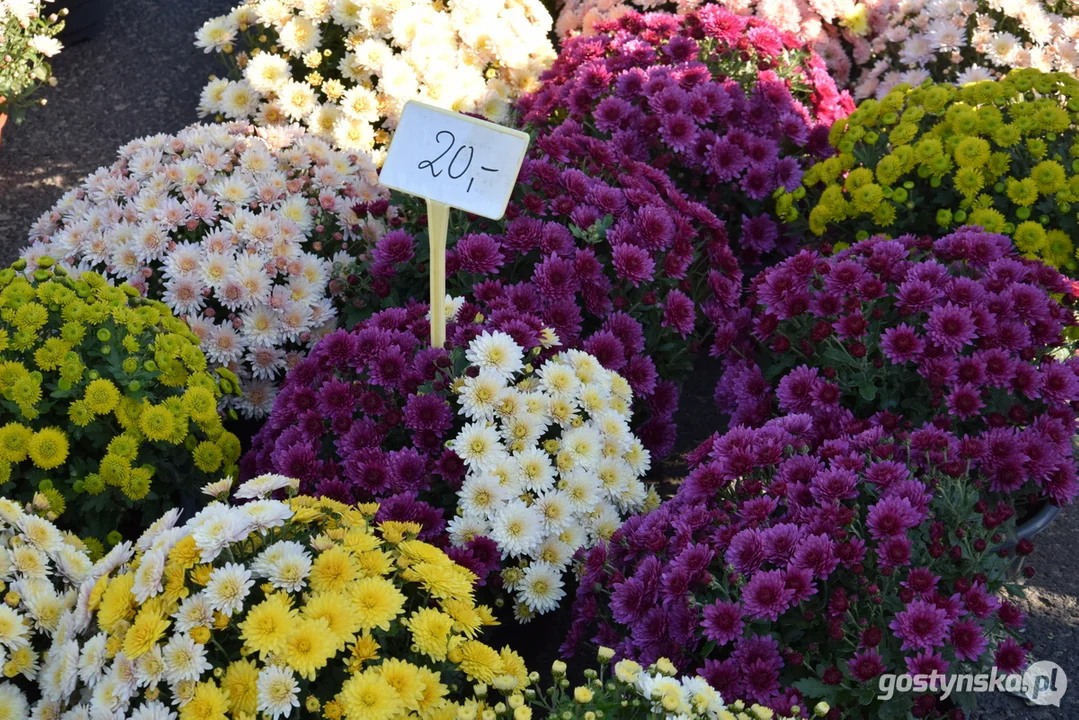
496	352
541	588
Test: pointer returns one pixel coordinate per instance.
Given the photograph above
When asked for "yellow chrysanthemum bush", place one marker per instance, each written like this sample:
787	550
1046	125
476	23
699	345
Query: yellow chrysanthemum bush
41	569
1003	155
279	609
107	411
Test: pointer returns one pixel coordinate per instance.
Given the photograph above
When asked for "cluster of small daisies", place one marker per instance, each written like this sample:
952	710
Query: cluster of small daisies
345	69
40	569
552	464
235	231
271	609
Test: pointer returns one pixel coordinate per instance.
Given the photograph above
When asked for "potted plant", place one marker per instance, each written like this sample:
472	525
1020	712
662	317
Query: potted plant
27	40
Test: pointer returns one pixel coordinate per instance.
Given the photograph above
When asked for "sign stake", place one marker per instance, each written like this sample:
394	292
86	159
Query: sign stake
438	223
452	161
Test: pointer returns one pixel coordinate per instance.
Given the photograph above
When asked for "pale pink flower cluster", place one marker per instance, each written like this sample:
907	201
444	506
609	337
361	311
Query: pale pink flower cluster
345	69
963	41
234	229
841	31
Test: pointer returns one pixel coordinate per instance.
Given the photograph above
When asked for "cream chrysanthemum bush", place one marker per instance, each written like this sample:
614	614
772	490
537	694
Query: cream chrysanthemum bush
235	230
345	68
40	571
962	41
277	609
552	464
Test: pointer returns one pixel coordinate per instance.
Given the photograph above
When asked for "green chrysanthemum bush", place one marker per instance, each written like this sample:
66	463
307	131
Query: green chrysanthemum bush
1001	154
107	410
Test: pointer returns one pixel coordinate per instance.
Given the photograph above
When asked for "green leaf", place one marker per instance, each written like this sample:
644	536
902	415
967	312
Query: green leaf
816	690
868	390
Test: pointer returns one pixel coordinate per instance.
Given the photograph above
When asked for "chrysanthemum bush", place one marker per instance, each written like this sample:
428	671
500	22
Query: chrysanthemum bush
844	32
632	692
959	332
107	407
601	246
728	107
958	41
345	69
552	466
997	154
42	570
376	414
28	30
271	609
787	575
233	230
367	415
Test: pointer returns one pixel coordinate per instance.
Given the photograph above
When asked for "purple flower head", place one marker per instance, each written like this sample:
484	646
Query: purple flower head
766	595
722	622
921	626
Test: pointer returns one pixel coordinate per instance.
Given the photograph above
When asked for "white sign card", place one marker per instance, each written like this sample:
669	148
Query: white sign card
454	159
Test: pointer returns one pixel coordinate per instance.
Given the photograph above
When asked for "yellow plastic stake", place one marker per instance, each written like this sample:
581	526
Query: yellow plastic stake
438	224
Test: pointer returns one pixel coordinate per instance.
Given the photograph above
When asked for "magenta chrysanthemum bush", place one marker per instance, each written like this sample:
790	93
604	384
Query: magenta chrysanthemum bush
958	332
786	574
601	246
728	106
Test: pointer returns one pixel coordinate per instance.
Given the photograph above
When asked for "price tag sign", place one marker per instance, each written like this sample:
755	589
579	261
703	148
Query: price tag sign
453	161
459	161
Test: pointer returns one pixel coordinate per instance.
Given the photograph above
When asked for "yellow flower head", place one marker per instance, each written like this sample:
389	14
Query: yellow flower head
241	683
267	626
368	696
309	646
377	602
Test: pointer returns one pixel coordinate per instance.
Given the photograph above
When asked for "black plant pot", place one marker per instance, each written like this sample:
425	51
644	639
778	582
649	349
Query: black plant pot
1036	521
85	19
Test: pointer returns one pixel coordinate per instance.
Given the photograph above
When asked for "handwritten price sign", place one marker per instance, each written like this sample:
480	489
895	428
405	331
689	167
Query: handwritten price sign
453	161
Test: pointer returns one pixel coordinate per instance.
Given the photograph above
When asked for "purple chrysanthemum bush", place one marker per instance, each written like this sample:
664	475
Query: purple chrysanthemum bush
644	137
615	260
786	572
729	107
509	453
959	332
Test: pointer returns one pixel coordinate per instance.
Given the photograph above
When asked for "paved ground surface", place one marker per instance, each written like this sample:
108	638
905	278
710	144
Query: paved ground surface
143	76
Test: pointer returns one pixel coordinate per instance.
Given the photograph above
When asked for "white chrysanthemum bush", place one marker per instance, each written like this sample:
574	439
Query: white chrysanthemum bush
41	569
964	41
345	68
293	608
553	466
235	230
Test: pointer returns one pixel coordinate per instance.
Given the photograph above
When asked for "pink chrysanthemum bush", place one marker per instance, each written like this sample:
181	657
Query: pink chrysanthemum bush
846	33
730	108
959	332
787	575
236	231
